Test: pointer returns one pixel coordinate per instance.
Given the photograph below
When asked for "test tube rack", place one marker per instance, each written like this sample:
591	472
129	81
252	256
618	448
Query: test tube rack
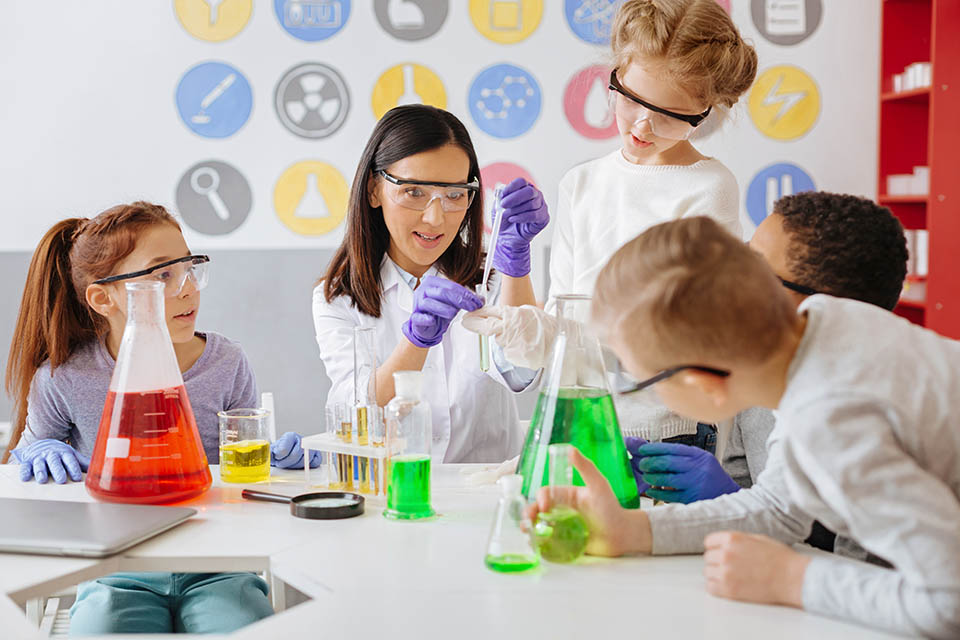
371	476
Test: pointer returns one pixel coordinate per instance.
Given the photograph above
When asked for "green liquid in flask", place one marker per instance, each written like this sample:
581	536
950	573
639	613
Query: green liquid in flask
585	418
561	534
408	491
511	562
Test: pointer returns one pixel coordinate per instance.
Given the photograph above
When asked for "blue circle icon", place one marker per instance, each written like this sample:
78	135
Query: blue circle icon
504	100
591	20
214	100
771	184
312	20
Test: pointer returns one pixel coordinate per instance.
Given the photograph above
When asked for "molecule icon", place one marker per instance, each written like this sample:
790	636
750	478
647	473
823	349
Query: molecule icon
504	100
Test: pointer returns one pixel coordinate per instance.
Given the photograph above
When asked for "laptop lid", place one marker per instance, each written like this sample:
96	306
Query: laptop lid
85	529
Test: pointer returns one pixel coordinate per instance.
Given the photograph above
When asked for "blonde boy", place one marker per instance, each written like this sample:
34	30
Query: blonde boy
870	440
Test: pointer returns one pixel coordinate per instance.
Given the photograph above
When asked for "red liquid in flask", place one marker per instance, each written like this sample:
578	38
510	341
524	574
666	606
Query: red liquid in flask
148	449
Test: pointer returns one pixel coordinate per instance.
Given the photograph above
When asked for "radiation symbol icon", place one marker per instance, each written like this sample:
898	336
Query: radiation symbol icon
312	100
310	198
784	102
407	84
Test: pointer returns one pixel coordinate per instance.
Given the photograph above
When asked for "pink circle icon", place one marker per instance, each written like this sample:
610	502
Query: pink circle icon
587	105
491	175
725	4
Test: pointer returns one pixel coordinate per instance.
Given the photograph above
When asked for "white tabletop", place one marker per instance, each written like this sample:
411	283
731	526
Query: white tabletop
373	577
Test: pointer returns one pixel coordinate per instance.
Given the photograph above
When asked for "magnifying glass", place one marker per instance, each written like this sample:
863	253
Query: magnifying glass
324	505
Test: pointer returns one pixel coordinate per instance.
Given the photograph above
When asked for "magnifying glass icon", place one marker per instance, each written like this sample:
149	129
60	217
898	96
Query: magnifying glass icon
210	190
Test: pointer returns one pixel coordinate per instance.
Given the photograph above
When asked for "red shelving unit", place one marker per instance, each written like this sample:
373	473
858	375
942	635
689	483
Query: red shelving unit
921	127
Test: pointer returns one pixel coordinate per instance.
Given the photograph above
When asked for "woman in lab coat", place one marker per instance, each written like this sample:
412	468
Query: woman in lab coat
411	257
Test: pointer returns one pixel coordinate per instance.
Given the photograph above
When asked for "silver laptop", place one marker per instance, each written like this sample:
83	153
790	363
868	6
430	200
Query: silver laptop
86	529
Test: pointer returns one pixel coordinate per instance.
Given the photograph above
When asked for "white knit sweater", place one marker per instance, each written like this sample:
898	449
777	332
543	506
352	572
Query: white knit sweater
605	203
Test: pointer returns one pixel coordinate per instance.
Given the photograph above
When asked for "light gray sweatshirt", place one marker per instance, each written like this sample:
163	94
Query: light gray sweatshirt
866	441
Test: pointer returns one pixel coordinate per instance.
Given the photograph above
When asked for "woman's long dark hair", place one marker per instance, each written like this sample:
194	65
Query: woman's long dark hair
402	132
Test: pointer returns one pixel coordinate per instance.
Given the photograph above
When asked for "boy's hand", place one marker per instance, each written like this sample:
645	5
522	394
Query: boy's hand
614	531
753	568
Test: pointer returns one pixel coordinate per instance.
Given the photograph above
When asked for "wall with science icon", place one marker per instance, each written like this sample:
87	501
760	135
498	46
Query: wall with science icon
247	118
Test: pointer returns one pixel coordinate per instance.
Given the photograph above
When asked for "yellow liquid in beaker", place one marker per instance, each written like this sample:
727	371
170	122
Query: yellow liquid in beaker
245	461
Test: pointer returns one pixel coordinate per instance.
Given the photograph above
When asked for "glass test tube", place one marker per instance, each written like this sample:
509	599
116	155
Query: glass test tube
364	397
484	340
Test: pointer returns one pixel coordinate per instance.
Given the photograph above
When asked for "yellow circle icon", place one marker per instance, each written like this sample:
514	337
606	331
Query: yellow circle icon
784	102
407	84
213	21
310	198
506	21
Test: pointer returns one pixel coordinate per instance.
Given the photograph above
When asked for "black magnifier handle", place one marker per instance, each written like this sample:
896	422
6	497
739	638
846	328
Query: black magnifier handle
264	496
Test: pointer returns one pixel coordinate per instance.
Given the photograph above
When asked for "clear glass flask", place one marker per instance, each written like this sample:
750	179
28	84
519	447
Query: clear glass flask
148	449
409	439
510	549
575	407
561	534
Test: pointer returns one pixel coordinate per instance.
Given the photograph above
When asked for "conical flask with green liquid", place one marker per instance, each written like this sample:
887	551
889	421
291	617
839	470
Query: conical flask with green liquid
575	407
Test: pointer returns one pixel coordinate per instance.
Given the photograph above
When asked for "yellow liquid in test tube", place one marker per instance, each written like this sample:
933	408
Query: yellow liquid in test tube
245	461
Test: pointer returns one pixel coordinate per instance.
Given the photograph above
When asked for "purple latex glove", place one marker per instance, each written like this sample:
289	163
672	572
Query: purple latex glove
633	448
524	216
690	473
435	303
48	457
286	453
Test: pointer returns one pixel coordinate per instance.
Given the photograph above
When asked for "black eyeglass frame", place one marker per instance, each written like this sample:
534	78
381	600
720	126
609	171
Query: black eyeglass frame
473	185
692	120
802	289
672	371
196	259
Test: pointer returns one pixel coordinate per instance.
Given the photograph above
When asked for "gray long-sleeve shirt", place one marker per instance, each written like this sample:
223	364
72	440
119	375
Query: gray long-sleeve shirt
867	443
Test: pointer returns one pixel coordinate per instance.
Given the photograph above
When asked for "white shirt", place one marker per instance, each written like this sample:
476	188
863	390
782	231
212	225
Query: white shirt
605	203
474	414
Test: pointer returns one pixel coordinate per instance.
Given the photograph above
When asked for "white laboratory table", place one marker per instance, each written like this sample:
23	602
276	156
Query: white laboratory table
373	578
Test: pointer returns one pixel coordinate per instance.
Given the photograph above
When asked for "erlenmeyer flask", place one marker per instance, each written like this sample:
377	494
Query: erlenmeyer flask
148	449
509	548
575	407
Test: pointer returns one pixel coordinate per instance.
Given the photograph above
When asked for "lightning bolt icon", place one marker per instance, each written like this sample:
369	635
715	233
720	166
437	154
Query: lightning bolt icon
787	100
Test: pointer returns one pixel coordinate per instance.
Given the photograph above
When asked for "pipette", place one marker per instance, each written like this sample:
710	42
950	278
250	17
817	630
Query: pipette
482	287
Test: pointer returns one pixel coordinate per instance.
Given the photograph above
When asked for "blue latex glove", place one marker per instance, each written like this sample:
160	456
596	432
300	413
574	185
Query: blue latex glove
691	473
45	458
435	303
286	453
633	448
524	216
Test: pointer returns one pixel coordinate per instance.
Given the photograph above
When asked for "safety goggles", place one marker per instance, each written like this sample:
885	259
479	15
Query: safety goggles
667	373
172	273
663	122
419	195
802	289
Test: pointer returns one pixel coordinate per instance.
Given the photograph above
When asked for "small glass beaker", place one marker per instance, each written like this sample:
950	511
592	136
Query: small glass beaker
244	445
510	549
561	533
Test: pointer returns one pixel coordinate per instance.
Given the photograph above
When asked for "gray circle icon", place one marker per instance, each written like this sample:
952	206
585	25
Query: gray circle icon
411	19
213	198
786	22
312	100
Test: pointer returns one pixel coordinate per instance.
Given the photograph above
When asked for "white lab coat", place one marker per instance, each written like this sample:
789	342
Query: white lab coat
474	413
